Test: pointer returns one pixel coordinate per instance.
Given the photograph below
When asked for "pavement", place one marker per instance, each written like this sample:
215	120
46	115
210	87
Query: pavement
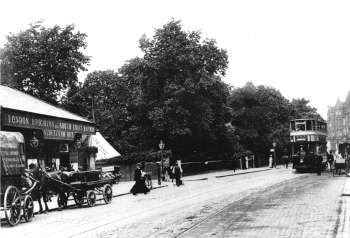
344	216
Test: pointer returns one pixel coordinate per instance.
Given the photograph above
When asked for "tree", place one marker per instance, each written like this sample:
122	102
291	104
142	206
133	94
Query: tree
262	116
44	61
301	109
106	98
181	93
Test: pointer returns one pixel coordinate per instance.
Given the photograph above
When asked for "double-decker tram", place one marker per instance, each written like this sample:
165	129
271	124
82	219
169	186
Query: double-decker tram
308	141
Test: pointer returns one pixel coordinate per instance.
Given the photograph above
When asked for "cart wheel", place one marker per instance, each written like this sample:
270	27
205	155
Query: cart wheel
148	182
91	198
107	193
12	205
28	208
61	200
78	199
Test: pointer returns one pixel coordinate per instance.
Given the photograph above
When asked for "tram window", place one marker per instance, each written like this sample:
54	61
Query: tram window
300	127
292	125
308	126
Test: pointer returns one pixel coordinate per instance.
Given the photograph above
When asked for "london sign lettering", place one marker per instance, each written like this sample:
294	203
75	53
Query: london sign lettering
53	128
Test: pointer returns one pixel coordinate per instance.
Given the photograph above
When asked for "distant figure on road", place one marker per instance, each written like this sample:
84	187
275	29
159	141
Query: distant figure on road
139	177
285	158
330	159
318	164
177	175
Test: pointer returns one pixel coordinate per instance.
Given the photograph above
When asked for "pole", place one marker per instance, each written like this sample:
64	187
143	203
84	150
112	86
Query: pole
0	84
93	110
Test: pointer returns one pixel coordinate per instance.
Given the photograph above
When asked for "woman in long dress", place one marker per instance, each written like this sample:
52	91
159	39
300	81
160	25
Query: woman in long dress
139	186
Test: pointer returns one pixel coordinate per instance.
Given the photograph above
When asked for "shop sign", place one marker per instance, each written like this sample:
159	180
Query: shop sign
53	128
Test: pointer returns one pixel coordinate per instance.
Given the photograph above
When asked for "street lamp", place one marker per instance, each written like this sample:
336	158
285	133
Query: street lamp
274	154
161	147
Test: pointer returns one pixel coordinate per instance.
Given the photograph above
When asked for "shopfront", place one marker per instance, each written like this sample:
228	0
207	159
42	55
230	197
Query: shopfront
53	137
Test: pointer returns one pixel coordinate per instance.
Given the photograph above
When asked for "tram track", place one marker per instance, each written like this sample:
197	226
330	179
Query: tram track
244	196
198	225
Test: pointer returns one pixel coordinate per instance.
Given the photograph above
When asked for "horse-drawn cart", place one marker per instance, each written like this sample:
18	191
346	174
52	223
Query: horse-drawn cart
340	166
16	203
82	185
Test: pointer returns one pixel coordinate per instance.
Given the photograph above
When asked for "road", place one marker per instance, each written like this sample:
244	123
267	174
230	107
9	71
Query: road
274	203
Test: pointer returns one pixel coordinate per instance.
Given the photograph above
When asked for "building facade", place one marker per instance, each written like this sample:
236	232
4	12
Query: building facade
338	119
53	137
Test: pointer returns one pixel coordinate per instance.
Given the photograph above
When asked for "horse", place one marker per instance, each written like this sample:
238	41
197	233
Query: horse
49	183
31	185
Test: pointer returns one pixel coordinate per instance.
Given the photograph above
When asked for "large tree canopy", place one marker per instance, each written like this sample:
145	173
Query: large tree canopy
44	61
180	87
262	116
104	97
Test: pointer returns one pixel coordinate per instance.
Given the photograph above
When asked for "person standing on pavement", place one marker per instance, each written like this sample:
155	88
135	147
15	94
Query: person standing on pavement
177	175
139	177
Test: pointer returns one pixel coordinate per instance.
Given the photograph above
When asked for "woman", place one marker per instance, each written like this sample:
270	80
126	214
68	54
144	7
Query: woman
139	177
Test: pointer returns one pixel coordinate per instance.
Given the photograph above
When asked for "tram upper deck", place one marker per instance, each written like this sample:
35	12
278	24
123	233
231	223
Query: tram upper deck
308	130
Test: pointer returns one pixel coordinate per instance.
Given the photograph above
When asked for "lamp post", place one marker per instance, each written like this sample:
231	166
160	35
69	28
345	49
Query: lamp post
161	148
274	154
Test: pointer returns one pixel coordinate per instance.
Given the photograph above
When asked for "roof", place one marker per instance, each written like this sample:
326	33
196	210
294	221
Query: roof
105	150
14	99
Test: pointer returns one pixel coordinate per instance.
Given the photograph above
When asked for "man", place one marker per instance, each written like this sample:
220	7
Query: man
330	159
285	158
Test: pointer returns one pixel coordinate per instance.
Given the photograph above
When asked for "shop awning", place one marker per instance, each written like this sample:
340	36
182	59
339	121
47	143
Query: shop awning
105	150
17	100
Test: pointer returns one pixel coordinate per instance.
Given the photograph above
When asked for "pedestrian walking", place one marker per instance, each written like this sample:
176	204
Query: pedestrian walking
139	177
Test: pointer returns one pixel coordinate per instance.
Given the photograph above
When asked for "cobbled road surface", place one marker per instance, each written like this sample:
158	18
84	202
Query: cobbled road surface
307	206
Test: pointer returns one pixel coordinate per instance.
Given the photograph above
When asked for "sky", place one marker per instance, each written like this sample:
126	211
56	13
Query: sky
300	47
